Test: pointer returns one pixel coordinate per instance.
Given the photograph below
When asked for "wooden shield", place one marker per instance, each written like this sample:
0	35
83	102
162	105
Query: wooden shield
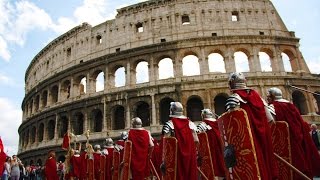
115	165
239	151
126	160
282	147
204	152
90	168
169	157
102	170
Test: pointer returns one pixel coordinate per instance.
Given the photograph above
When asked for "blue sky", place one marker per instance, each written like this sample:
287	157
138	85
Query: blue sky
26	26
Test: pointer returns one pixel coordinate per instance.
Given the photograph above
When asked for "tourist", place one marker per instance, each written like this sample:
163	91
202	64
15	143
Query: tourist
6	169
15	170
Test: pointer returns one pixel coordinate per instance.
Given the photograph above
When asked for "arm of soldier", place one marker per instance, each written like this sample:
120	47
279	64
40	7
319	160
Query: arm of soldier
167	129
233	102
151	145
270	111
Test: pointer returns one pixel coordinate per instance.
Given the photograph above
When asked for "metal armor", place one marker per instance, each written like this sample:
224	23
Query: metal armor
237	80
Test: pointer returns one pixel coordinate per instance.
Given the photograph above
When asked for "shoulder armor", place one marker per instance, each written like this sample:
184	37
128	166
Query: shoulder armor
203	127
167	127
271	109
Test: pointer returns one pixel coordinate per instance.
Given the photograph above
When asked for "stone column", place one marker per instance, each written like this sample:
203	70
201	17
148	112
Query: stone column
151	71
279	60
85	121
254	63
128	116
208	104
89	85
107	80
129	79
230	65
105	120
153	111
177	66
56	135
310	102
59	93
203	62
71	88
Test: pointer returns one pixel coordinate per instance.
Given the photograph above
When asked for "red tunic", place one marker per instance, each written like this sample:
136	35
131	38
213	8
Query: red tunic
187	160
215	144
156	157
305	156
51	169
83	172
139	157
76	166
121	143
261	133
108	167
96	158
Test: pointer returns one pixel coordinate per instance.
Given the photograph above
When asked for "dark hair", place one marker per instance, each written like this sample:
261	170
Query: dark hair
7	159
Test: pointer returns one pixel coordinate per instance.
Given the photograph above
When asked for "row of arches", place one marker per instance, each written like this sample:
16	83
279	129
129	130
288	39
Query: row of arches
165	67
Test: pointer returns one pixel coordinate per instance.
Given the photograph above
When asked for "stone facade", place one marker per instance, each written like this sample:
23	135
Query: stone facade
56	100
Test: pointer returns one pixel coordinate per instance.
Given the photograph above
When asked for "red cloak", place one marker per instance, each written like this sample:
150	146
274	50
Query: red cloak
51	169
83	172
187	160
305	156
139	157
96	158
215	145
108	166
156	157
261	133
121	143
76	166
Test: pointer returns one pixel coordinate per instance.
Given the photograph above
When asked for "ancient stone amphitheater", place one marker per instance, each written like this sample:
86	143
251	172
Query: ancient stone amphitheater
63	93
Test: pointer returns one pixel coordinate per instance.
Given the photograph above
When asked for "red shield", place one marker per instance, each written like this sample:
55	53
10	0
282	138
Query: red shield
126	160
204	152
90	168
102	171
282	147
169	157
239	151
115	165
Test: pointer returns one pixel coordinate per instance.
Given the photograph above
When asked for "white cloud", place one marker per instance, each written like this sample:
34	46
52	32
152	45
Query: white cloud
4	79
10	121
314	65
4	52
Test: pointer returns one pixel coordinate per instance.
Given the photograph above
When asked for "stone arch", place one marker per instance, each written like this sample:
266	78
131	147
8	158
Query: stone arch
44	98
165	70
142	110
299	100
40	132
27	137
219	103
77	123
37	103
79	85
54	93
33	134
317	98
51	129
194	107
216	62
241	59
65	89
288	56
265	61
96	122
98	77
164	111
119	76
142	71
118	117
190	65
63	125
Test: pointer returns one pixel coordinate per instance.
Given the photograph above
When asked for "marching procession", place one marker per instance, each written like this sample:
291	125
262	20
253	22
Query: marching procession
254	139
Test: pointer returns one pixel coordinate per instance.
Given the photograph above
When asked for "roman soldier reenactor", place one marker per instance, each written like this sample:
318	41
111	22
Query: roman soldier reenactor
108	152
305	156
184	130
258	116
210	125
76	165
96	157
142	146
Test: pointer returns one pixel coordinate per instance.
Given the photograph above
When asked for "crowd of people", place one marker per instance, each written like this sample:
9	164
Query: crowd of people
137	155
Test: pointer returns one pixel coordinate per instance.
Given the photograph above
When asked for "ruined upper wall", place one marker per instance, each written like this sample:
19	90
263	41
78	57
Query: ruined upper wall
160	21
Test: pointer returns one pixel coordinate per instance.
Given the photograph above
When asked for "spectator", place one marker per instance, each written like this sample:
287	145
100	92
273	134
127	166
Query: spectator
15	170
6	170
315	134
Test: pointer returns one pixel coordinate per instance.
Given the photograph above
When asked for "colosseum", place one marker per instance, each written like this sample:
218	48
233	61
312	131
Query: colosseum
98	78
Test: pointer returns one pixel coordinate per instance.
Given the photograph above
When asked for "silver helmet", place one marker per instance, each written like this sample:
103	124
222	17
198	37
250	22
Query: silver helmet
274	93
237	80
176	109
124	135
136	122
109	142
206	113
97	147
